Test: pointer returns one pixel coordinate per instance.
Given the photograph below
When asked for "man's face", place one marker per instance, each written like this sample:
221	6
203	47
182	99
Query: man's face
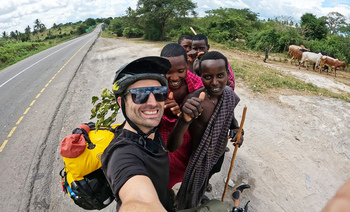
148	115
200	46
214	76
187	44
177	73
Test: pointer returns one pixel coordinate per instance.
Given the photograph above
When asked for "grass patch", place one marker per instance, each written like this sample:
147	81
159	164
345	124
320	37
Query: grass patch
262	79
107	34
12	53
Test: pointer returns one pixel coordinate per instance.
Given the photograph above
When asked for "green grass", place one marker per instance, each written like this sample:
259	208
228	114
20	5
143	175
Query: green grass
263	79
107	34
12	53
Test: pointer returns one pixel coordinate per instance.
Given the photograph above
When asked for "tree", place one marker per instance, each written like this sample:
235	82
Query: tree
345	30
38	27
81	29
153	15
335	21
90	22
106	21
4	35
313	27
13	35
27	33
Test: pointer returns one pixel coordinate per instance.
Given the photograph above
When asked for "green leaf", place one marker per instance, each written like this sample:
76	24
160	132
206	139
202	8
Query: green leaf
94	99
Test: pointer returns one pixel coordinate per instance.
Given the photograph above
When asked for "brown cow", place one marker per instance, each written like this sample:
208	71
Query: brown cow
295	47
332	63
297	55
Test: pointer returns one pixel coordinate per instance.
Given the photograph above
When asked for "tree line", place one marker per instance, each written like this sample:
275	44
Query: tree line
168	20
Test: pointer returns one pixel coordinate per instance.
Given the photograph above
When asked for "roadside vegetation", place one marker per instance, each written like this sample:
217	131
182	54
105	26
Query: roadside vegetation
16	46
227	28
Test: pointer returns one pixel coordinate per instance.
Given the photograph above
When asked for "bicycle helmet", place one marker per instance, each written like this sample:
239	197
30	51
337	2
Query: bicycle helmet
152	67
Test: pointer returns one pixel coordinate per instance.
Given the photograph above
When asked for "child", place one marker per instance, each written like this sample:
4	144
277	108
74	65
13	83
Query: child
181	82
200	47
208	120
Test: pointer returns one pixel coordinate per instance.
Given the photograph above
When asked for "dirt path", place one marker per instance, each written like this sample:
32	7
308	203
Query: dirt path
296	151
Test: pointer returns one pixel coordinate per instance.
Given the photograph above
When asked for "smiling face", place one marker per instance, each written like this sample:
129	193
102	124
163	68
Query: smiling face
214	76
200	46
178	72
187	44
148	115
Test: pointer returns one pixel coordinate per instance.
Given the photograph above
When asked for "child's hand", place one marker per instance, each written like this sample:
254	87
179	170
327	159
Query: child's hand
234	138
192	55
171	103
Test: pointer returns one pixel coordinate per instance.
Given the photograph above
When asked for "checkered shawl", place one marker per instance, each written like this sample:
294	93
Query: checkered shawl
208	151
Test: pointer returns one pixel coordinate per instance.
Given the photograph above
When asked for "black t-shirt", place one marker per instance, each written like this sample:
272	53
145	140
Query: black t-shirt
128	155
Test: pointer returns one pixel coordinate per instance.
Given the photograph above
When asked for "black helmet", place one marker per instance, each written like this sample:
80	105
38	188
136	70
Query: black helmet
152	67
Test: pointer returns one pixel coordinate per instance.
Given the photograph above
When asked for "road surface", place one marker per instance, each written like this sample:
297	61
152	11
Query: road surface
31	93
295	155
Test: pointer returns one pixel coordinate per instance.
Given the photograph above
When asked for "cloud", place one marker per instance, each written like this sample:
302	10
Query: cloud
18	14
274	8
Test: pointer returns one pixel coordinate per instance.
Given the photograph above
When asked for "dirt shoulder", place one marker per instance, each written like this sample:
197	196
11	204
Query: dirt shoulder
296	150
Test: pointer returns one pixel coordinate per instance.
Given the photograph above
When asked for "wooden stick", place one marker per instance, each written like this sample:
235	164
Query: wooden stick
234	152
194	32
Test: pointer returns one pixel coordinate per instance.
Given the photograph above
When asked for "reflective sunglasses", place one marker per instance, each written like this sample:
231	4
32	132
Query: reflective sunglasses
141	95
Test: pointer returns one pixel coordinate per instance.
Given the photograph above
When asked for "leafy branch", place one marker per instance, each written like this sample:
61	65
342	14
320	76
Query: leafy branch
102	106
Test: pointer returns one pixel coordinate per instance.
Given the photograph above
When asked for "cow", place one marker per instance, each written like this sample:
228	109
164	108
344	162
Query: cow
332	63
311	57
326	54
297	54
295	47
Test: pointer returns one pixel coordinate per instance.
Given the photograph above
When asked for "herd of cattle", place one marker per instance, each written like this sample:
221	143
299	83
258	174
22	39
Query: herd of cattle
320	59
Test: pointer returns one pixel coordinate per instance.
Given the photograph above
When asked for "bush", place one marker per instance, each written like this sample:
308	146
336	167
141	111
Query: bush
81	29
116	26
132	32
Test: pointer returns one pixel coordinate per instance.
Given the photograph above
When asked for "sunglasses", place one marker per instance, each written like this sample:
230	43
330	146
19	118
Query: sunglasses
141	95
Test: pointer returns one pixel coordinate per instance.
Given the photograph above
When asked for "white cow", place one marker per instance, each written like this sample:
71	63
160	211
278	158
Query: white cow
310	57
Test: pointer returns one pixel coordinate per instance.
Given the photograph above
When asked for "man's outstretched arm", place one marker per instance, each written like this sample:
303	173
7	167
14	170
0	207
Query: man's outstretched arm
139	194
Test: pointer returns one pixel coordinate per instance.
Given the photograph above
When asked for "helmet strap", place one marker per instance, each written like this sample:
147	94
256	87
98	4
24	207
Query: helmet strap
139	132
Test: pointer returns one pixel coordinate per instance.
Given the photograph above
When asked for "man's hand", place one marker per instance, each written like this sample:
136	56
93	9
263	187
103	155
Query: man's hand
171	103
240	142
193	107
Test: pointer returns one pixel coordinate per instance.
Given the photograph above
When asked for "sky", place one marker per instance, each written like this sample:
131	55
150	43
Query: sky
18	14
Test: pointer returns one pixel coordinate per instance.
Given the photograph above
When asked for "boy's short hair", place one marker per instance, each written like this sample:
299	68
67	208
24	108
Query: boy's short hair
183	37
201	37
173	50
213	55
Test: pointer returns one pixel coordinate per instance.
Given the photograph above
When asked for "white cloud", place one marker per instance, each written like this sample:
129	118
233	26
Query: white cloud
18	14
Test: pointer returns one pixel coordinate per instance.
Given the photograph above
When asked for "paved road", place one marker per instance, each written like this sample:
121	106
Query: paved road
31	93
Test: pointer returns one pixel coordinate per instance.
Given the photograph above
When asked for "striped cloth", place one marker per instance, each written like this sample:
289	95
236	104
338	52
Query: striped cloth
208	151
